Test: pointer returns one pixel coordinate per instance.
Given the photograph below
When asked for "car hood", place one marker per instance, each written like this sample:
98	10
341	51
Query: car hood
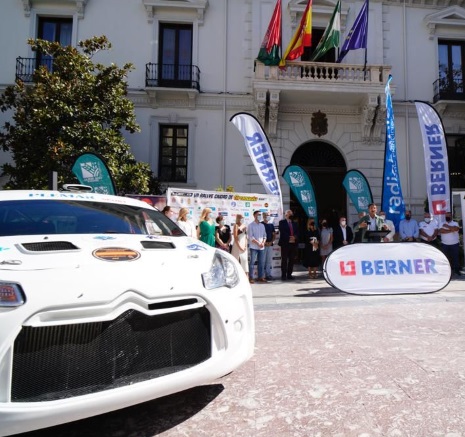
99	268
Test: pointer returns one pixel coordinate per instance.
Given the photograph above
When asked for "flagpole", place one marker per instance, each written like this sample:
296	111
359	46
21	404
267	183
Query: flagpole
366	48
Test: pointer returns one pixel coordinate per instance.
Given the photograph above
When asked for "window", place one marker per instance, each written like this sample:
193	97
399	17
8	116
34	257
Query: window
175	56
173	153
329	56
451	69
55	30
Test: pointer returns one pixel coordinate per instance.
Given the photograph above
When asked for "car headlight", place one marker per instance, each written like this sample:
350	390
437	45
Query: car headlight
223	273
11	295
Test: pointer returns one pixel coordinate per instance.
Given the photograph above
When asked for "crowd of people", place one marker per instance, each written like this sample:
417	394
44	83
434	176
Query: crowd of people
252	243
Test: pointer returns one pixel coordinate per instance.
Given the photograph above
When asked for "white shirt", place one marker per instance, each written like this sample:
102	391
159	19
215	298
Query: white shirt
392	229
428	228
188	227
451	237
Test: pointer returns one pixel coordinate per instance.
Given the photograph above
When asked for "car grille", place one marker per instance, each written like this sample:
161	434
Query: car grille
59	362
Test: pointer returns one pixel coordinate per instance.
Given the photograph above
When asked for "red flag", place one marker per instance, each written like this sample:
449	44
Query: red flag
302	37
271	46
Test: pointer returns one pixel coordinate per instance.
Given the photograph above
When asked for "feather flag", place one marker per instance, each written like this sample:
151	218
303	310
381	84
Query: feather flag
392	200
358	189
357	37
436	160
302	37
270	50
301	185
260	152
331	34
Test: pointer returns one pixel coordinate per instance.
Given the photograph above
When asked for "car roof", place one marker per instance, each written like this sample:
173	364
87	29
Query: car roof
68	195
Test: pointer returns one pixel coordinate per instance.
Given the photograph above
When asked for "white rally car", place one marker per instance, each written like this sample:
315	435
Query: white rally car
105	303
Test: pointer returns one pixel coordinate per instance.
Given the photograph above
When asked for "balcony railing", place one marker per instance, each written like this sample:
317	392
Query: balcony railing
172	76
329	72
445	89
25	67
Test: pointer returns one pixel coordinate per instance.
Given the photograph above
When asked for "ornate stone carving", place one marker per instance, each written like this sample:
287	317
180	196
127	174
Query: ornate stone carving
319	123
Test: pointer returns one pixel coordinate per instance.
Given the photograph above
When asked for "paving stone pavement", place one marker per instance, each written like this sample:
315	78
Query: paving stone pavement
326	364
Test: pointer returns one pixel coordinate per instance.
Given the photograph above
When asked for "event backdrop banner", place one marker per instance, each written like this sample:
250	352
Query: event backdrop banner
258	146
381	268
392	200
302	187
436	160
228	205
91	169
358	189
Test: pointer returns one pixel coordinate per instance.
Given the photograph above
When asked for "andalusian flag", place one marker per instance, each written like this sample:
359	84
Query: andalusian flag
302	37
270	50
330	37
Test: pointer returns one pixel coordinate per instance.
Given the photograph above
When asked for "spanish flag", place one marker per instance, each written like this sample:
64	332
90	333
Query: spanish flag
302	37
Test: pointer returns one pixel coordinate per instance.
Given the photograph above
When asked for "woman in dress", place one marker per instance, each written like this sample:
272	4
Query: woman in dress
186	224
326	240
312	250
223	234
206	229
239	249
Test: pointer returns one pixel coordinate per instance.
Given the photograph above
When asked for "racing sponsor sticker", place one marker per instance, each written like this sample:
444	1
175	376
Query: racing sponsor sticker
116	254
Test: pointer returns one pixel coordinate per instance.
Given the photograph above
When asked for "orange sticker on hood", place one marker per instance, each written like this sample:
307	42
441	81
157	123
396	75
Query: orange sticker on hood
116	254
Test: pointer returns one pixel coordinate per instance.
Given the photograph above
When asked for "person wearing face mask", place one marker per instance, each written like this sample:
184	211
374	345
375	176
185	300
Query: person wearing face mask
342	234
312	250
223	236
257	237
429	230
186	224
450	242
288	237
239	248
206	229
408	228
389	238
270	236
326	240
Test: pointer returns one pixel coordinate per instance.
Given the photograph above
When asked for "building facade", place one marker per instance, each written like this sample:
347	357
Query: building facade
195	68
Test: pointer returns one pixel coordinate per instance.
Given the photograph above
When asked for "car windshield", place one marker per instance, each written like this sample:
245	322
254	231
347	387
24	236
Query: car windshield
34	217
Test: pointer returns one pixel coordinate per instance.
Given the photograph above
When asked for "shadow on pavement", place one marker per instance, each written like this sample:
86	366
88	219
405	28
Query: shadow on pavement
144	420
320	292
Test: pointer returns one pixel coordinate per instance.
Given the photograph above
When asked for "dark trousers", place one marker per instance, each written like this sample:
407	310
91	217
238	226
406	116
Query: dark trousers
288	254
452	253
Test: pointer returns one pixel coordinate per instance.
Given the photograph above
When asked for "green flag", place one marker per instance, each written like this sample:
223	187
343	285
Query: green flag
330	37
270	50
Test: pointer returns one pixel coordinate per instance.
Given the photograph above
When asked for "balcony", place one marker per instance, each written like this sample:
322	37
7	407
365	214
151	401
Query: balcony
171	80
25	67
445	89
313	85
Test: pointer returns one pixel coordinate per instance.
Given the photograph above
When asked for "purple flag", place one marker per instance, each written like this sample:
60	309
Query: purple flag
357	37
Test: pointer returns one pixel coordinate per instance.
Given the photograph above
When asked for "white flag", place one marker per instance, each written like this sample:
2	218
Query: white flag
258	146
436	160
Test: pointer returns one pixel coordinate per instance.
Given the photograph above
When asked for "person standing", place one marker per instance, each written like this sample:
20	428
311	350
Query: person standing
168	212
312	251
257	236
239	248
270	236
223	236
389	238
186	224
326	240
450	242
288	237
408	228
206	229
370	222
342	234
429	230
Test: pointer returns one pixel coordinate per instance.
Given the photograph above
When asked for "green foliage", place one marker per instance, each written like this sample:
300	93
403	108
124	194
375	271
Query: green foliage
80	106
229	188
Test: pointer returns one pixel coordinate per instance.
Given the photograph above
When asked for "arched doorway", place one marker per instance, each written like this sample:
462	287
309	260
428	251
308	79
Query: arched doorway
326	167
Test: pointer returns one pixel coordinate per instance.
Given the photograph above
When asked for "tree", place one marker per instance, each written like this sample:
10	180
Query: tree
76	106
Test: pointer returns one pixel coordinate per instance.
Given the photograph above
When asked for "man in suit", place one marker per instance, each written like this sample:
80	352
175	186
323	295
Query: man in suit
342	234
371	222
288	237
